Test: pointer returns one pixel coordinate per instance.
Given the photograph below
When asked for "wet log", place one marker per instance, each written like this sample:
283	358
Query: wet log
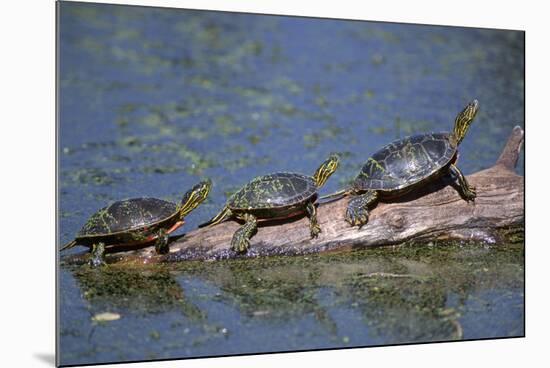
436	213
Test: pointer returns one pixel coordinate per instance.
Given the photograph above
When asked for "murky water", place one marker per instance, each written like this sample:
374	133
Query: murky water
152	100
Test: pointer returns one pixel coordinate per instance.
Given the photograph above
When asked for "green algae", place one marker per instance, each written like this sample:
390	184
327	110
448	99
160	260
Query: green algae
94	176
144	290
226	126
327	132
402	293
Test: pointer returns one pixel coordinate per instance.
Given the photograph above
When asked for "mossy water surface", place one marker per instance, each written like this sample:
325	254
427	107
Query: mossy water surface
373	297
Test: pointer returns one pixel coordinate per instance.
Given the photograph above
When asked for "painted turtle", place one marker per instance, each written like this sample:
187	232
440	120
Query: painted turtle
274	196
136	221
406	164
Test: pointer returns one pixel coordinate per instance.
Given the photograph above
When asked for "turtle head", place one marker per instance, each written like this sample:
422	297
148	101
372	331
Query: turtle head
194	197
463	121
326	169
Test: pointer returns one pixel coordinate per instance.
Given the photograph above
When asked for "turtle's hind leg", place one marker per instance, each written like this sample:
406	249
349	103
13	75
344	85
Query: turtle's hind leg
161	244
466	191
98	255
357	212
314	227
241	238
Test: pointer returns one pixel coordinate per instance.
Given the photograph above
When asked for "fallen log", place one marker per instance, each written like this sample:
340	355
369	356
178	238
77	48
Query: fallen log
437	213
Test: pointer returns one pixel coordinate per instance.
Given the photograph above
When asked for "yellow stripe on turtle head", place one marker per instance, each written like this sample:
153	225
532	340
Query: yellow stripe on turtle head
194	197
463	121
326	169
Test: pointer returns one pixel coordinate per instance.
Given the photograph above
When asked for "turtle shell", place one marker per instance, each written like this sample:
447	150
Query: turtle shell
278	190
127	215
406	162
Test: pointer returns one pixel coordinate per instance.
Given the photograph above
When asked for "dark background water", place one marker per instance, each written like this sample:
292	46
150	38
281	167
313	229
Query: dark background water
152	100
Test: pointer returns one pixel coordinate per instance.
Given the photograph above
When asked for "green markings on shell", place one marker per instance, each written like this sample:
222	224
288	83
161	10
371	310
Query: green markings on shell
99	220
128	216
405	162
273	191
376	164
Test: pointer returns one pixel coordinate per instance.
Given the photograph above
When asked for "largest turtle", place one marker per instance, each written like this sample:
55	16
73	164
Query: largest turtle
274	196
137	221
406	164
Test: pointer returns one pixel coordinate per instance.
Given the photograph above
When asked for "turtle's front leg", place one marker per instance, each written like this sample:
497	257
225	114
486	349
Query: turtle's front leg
98	255
314	227
358	208
240	241
466	191
161	244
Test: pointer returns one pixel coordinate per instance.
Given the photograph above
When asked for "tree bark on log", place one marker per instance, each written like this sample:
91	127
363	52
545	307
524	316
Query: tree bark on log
437	213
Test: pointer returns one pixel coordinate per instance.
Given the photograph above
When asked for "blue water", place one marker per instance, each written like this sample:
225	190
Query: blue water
152	100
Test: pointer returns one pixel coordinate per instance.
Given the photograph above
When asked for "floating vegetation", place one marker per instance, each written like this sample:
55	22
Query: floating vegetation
288	85
378	129
161	169
197	162
226	126
254	139
245	161
94	176
329	131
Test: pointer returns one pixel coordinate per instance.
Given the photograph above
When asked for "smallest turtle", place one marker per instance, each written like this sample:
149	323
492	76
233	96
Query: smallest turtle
136	221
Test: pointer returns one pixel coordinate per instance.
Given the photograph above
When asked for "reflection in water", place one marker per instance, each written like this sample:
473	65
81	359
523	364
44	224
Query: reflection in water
371	297
141	290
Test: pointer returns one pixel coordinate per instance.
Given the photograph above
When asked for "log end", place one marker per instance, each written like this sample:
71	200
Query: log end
509	157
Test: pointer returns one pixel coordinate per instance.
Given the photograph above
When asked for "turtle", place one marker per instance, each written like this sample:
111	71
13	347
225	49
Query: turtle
405	165
279	195
136	221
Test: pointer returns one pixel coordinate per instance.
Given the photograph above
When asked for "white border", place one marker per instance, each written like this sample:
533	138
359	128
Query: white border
27	164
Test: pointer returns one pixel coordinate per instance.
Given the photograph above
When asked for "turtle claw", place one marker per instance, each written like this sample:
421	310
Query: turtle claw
356	219
357	213
467	192
240	246
96	262
161	245
315	231
350	218
470	194
314	227
241	239
97	255
363	219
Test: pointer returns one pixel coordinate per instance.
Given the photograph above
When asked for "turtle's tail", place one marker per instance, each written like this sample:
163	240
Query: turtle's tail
333	196
224	214
68	245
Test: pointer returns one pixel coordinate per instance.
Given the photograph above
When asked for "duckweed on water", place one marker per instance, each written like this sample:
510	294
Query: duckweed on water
400	293
329	131
143	290
254	139
226	126
94	176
